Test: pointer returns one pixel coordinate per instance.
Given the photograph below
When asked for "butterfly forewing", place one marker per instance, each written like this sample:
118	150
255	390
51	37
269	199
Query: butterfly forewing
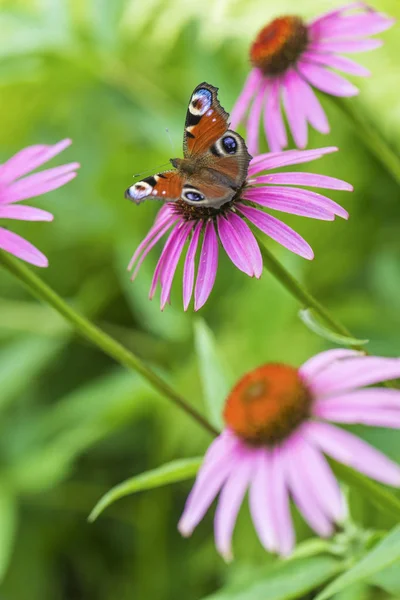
165	186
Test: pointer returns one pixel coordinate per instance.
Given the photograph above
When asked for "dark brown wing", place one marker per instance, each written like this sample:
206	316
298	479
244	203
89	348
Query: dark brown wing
165	186
206	121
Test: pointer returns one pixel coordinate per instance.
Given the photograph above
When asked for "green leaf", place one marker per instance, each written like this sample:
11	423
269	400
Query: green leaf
309	319
212	371
8	523
388	580
177	470
377	494
384	555
291	579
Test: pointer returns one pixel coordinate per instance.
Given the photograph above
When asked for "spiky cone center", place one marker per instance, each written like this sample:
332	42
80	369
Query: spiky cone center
278	45
267	405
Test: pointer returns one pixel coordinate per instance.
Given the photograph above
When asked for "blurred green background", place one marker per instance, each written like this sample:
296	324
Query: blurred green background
113	75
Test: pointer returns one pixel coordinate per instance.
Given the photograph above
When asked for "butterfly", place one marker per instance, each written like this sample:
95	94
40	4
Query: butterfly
215	163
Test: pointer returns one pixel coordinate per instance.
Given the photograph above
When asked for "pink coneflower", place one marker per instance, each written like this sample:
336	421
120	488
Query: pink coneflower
290	57
229	225
277	432
13	189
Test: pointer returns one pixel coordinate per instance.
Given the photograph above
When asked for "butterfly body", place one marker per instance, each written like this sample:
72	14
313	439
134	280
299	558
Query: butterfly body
215	159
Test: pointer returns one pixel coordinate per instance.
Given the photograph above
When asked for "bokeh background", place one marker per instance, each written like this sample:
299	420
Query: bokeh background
114	75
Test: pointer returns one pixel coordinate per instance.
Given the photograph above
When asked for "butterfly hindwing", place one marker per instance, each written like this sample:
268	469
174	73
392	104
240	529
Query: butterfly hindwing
206	120
165	186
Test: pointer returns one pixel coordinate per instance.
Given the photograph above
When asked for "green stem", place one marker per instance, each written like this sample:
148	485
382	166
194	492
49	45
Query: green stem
370	135
305	298
111	347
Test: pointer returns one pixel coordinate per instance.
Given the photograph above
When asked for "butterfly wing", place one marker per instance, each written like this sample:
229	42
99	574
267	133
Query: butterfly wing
206	121
165	186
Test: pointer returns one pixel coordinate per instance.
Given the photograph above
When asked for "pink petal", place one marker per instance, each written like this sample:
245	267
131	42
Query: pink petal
171	262
273	120
325	80
320	361
309	179
164	256
352	451
365	399
210	479
293	206
229	503
266	162
16	245
157	226
359	25
249	243
250	89
278	231
291	193
207	266
150	245
298	477
322	481
29	159
280	505
24	213
233	246
261	501
38	189
348	46
188	271
354	373
311	106
336	62
253	122
293	103
349	415
332	14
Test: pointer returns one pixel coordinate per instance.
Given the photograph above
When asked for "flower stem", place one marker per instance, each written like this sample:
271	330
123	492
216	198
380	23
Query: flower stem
370	135
297	290
100	339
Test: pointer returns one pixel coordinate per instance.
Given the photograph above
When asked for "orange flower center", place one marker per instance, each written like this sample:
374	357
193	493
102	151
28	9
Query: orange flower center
278	45
267	404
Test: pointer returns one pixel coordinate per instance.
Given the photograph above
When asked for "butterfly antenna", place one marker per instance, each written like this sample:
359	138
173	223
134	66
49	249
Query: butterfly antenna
170	139
151	170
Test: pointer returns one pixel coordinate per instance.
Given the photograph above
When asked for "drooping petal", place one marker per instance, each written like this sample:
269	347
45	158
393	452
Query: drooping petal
298	475
159	223
293	103
253	121
293	206
188	270
269	161
233	246
161	231
278	231
25	213
208	264
320	361
355	26
352	451
229	503
16	245
164	256
280	504
210	479
273	120
311	106
330	15
250	88
261	502
376	417
325	80
170	264
308	179
354	373
291	193
341	63
249	243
